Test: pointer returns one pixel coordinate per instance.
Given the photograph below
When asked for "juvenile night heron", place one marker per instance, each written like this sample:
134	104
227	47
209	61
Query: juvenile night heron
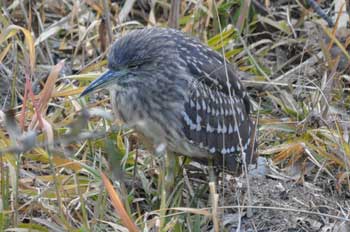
181	95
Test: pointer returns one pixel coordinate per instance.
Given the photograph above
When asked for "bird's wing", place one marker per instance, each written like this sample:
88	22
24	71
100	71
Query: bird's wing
218	107
209	67
215	122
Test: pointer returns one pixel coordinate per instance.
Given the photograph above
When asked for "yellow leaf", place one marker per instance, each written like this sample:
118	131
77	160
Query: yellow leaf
118	205
67	93
63	162
4	52
11	31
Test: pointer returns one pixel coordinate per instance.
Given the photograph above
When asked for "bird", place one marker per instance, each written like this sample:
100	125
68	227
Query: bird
180	95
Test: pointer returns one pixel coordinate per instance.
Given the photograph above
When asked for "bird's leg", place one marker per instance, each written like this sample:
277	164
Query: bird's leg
168	165
166	179
214	196
163	196
170	169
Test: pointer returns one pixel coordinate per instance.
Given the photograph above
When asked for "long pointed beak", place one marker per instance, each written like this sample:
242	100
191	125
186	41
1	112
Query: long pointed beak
103	81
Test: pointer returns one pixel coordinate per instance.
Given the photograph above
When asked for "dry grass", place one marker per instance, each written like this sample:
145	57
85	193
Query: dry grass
55	146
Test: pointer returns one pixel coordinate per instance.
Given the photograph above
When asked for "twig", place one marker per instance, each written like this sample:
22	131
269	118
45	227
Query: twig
108	21
320	12
66	140
174	14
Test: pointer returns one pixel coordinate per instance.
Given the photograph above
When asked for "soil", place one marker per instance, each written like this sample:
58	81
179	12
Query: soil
281	203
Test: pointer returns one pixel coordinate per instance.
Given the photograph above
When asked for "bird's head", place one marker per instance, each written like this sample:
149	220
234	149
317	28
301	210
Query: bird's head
137	55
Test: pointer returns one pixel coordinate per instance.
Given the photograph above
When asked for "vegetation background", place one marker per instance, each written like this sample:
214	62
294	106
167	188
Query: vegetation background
55	146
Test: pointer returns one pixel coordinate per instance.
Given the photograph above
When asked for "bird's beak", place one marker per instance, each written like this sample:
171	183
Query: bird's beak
103	81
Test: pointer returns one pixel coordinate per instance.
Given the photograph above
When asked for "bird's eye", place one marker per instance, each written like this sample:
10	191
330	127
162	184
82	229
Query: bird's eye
138	62
133	66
